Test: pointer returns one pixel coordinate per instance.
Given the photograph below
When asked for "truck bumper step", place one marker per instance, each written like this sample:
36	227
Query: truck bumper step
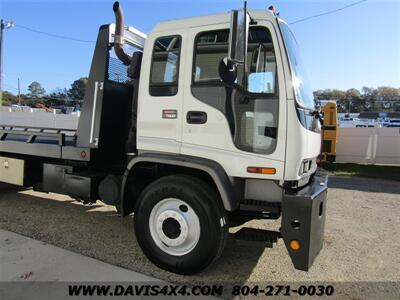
256	237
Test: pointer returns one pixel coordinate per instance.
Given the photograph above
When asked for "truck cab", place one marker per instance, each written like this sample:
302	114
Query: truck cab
202	124
267	127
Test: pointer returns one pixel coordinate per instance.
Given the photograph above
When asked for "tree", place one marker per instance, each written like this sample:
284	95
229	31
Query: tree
367	93
369	96
59	94
353	94
9	99
78	88
36	90
336	95
388	96
353	98
329	94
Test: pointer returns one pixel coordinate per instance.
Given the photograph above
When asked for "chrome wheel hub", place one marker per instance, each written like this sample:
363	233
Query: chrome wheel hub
174	226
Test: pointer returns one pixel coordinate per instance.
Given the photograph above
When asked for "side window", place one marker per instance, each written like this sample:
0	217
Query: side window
210	48
165	66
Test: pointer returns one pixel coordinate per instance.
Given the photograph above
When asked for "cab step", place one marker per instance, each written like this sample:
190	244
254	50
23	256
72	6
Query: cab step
256	237
270	210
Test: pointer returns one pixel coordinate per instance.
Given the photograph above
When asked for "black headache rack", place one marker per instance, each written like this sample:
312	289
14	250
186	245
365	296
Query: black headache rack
106	122
303	221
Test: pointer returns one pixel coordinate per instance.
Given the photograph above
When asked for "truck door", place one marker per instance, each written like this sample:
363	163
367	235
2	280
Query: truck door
161	93
220	124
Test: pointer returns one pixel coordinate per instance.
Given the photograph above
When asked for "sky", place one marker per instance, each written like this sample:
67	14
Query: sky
355	47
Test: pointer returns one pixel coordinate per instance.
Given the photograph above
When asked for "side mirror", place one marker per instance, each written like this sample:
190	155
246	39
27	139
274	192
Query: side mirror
227	70
238	36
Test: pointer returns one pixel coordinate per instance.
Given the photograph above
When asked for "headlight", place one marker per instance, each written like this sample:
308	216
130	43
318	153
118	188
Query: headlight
306	166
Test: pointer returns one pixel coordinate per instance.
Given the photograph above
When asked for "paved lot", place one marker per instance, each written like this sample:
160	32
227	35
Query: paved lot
25	259
362	238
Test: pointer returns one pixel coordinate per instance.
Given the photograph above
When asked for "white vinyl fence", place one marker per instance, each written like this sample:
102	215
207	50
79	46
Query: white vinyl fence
38	118
368	145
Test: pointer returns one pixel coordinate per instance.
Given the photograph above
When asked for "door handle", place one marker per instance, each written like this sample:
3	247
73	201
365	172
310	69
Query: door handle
196	117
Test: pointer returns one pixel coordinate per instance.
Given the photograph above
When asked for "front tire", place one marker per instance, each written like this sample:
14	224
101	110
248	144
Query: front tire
180	224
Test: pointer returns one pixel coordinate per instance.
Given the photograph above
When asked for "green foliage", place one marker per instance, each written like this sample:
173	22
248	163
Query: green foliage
78	88
368	99
59	94
58	97
36	90
371	171
9	99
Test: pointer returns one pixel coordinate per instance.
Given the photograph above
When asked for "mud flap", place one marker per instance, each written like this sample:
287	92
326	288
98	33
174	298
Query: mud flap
303	220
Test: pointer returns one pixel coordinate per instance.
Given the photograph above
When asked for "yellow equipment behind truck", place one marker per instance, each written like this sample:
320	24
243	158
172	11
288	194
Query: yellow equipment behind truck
329	132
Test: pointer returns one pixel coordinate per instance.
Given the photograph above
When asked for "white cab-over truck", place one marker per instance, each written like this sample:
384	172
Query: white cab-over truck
203	124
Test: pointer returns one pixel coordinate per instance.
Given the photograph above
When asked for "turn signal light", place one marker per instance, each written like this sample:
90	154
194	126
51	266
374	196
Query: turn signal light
259	170
294	245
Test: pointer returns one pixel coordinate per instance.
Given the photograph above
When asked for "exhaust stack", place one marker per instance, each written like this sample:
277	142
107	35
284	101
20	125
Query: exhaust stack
119	35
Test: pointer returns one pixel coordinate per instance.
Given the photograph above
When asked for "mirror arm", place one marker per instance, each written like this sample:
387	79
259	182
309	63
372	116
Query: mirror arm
245	50
265	59
244	92
230	64
237	87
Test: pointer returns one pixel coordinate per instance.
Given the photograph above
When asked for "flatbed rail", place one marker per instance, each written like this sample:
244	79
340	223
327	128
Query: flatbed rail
32	133
40	141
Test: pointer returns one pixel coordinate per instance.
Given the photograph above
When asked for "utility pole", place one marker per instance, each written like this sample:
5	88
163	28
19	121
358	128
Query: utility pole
349	106
1	60
3	25
19	93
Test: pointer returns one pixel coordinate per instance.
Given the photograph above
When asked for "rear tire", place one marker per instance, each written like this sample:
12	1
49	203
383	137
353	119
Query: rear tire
180	224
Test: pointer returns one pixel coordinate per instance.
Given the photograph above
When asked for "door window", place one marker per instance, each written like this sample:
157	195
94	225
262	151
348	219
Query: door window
252	120
165	66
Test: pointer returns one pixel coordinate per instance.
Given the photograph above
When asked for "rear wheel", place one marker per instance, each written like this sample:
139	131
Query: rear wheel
180	224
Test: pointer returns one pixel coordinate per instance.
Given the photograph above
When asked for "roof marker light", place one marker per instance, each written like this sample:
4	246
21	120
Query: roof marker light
273	10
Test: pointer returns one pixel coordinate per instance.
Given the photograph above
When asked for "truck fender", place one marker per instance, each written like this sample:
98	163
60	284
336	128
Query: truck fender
224	185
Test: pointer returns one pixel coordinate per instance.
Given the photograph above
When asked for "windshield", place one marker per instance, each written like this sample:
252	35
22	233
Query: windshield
303	92
261	62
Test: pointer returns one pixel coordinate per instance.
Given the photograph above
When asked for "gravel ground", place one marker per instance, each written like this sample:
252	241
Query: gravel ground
362	241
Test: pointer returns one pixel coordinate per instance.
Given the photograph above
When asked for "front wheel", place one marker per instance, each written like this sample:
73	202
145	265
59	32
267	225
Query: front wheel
180	224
